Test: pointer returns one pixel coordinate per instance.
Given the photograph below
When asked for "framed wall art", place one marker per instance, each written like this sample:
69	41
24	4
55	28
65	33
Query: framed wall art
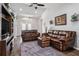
51	21
61	20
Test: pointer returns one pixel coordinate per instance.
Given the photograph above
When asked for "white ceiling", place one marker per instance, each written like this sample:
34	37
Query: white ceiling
26	10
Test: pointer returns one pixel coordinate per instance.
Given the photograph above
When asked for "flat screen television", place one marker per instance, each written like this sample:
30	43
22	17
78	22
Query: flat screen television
5	26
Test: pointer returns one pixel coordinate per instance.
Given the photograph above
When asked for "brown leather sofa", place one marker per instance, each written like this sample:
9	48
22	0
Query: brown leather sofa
61	39
30	35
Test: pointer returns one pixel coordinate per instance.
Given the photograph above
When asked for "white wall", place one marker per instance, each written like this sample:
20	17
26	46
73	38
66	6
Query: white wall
35	24
68	9
17	35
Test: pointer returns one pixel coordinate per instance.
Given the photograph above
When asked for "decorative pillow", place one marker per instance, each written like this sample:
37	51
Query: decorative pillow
55	32
60	32
50	34
59	36
54	36
50	31
63	32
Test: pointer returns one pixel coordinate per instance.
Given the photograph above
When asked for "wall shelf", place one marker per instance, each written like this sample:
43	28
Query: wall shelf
8	11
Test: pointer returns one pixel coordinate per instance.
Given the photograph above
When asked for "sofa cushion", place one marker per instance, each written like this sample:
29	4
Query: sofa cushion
62	38
55	36
55	32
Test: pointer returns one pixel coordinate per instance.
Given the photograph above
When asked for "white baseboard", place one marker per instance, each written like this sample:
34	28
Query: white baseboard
76	48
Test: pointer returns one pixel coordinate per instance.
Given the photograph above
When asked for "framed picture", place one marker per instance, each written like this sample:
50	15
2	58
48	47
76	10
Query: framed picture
51	21
61	20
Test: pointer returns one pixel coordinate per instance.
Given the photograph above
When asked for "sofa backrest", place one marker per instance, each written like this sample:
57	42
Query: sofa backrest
30	33
67	34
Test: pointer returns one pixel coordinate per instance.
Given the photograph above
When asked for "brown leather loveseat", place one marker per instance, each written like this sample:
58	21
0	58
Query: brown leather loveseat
29	35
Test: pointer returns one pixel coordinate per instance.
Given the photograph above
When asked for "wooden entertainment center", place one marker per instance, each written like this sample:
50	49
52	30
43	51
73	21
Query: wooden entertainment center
6	39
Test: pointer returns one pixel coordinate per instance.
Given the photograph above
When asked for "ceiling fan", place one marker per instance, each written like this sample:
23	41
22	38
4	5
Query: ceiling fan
36	5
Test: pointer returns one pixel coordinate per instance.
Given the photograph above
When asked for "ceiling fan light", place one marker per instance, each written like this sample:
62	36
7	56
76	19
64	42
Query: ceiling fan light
20	9
36	7
35	12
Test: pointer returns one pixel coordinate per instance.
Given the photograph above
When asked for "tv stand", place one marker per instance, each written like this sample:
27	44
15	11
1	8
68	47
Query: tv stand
6	46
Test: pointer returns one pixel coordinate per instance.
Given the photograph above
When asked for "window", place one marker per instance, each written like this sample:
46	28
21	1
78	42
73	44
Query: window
29	26
23	26
26	26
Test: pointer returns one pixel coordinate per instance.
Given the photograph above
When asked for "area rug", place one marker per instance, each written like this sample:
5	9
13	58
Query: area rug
33	49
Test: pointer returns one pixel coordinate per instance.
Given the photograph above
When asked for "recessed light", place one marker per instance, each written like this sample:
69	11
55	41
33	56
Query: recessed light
35	12
20	9
25	18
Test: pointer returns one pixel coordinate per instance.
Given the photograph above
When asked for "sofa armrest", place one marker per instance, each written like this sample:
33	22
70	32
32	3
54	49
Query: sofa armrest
38	34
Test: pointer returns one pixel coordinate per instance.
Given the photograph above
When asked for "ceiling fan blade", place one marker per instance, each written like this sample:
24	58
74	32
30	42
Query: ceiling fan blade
40	4
34	3
31	5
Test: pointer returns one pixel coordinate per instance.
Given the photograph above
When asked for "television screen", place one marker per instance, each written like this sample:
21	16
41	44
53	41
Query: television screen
5	26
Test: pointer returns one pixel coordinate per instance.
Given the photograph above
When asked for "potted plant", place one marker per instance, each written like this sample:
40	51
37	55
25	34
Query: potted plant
74	17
